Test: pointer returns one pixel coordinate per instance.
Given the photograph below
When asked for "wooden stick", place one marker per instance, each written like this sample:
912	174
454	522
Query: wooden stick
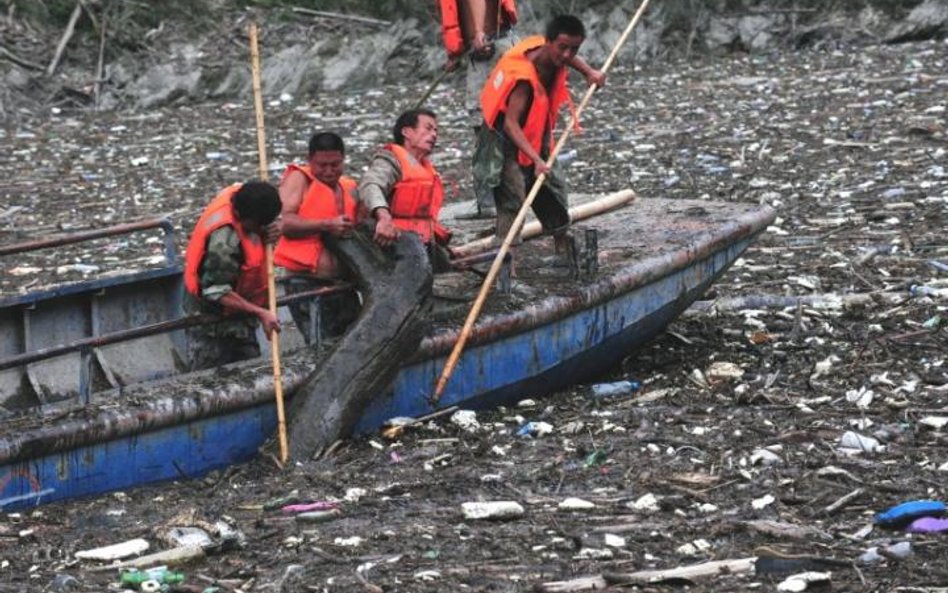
843	501
258	101
535	229
67	35
431	89
518	221
339	16
100	65
693	572
5	53
271	280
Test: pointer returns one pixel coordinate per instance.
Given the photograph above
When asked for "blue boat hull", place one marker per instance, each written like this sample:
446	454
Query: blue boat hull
522	364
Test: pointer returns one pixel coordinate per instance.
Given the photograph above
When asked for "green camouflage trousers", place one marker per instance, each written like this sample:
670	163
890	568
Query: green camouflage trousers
496	169
219	343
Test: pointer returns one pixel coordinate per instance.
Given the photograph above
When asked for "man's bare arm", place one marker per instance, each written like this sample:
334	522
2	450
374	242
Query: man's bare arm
518	103
591	75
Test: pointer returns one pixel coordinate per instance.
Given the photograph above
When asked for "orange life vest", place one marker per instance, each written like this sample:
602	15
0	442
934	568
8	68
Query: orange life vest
252	283
513	67
418	196
451	32
301	254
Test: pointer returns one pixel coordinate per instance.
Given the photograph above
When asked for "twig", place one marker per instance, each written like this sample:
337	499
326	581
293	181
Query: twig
368	586
843	501
67	35
331	449
692	572
595	583
100	65
18	60
340	16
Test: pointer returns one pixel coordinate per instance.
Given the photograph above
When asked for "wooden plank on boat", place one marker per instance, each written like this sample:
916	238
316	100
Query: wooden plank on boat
576	213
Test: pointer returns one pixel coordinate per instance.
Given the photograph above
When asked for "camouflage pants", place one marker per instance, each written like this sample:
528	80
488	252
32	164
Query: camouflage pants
335	312
476	76
220	343
496	168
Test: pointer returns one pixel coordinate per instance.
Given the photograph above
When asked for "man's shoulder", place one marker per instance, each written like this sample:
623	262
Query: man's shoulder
223	239
385	155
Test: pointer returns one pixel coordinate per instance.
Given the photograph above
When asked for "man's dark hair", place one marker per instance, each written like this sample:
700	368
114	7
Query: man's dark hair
326	142
565	24
258	201
409	119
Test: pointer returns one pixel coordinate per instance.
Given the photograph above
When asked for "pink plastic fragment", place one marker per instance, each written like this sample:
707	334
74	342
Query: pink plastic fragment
928	525
309	506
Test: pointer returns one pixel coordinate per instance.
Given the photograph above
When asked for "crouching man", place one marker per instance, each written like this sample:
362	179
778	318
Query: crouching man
225	273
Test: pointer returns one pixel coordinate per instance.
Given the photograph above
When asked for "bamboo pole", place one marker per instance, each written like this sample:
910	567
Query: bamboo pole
431	89
521	216
271	281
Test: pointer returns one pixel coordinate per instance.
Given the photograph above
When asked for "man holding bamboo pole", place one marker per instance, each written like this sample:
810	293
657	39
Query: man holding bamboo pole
225	273
475	34
520	102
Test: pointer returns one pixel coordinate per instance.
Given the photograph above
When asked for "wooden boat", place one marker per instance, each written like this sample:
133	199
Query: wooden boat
93	401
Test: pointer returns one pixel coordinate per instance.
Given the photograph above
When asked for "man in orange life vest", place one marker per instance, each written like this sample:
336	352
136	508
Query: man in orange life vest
520	103
225	273
318	200
481	29
403	191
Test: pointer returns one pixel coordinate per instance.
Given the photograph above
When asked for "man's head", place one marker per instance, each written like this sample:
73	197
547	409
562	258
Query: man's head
564	34
256	204
327	156
417	131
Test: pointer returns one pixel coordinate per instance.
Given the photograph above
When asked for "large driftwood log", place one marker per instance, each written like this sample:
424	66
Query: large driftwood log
396	287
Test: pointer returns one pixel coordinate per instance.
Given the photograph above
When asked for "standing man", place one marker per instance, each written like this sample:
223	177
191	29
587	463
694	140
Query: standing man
318	200
225	273
402	189
520	103
482	29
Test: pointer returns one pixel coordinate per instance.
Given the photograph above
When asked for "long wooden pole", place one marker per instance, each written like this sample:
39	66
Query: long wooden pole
421	102
271	281
521	216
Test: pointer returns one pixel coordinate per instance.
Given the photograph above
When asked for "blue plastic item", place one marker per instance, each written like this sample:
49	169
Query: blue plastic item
617	388
903	514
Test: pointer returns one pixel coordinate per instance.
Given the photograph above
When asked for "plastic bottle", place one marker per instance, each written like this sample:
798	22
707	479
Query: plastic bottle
276	503
161	574
616	388
318	516
919	290
898	550
566	157
498	509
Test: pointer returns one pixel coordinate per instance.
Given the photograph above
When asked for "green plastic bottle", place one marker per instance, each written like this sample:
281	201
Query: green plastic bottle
163	576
